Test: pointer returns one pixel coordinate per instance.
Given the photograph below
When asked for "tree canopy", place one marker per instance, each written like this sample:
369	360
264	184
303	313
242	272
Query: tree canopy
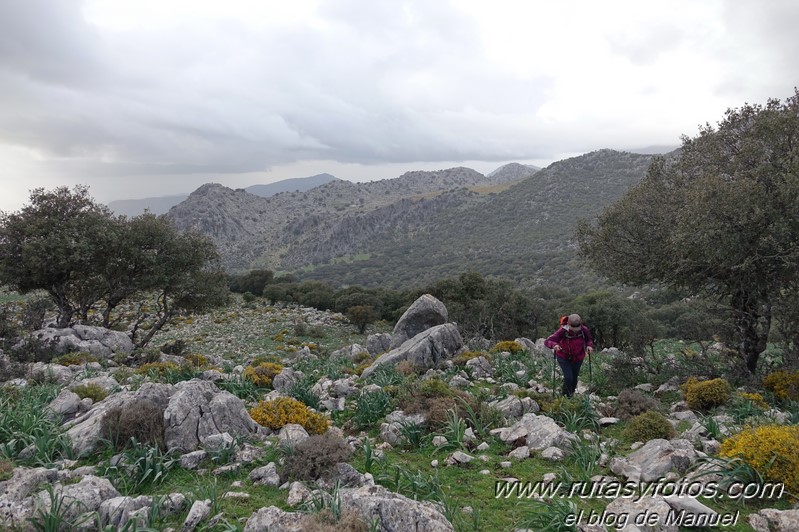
73	248
721	219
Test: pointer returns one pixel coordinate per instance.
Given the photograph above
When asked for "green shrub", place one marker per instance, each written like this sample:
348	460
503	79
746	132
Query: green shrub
631	403
704	395
141	419
315	457
95	392
371	407
649	426
75	359
511	346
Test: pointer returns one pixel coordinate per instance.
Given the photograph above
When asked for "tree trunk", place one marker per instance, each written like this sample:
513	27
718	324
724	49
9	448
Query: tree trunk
752	327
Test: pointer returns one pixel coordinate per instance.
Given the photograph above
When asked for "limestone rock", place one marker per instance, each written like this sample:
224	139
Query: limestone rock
392	511
654	460
273	518
198	409
426	350
425	313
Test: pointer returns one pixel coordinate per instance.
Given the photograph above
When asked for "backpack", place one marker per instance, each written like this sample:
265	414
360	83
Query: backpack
564	323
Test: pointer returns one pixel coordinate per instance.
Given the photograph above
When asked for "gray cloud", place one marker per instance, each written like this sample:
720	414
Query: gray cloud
376	82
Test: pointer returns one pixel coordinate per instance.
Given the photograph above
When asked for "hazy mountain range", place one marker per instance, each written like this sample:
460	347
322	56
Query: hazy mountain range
162	204
516	222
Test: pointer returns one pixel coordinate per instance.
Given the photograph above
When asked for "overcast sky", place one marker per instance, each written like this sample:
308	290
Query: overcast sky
155	97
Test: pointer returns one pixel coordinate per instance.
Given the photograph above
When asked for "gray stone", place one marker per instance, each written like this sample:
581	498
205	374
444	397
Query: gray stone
118	511
16	503
393	512
40	372
85	496
552	454
480	367
513	407
425	350
298	494
691	507
97	341
607	421
199	512
425	313
772	520
84	430
106	383
287	378
539	432
273	518
65	404
292	434
632	508
459	457
193	459
520	453
378	343
217	442
198	409
391	433
654	460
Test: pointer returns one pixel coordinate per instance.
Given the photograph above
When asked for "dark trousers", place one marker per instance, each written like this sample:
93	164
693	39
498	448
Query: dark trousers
571	370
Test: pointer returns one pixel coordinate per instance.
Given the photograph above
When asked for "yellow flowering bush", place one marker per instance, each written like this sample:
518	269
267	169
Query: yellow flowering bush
784	384
509	345
284	410
756	399
704	395
262	374
769	449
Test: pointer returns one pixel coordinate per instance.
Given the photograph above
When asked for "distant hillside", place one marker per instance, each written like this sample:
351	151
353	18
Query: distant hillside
299	184
264	232
524	233
161	205
513	172
421	226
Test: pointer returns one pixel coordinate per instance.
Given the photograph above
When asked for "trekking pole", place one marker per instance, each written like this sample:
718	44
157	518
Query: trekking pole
590	368
554	363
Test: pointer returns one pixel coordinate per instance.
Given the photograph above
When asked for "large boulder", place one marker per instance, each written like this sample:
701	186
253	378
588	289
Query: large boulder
77	499
771	519
273	518
538	433
647	514
424	313
16	503
425	350
97	341
197	409
655	459
85	430
393	512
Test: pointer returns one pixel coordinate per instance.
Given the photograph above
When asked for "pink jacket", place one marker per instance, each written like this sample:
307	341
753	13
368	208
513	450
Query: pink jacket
573	346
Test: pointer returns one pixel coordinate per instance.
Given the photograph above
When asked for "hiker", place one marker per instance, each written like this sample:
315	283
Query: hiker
571	342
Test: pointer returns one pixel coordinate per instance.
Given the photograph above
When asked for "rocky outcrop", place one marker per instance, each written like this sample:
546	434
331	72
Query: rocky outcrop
84	430
424	313
425	350
654	460
393	512
771	520
16	503
197	409
537	432
97	341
